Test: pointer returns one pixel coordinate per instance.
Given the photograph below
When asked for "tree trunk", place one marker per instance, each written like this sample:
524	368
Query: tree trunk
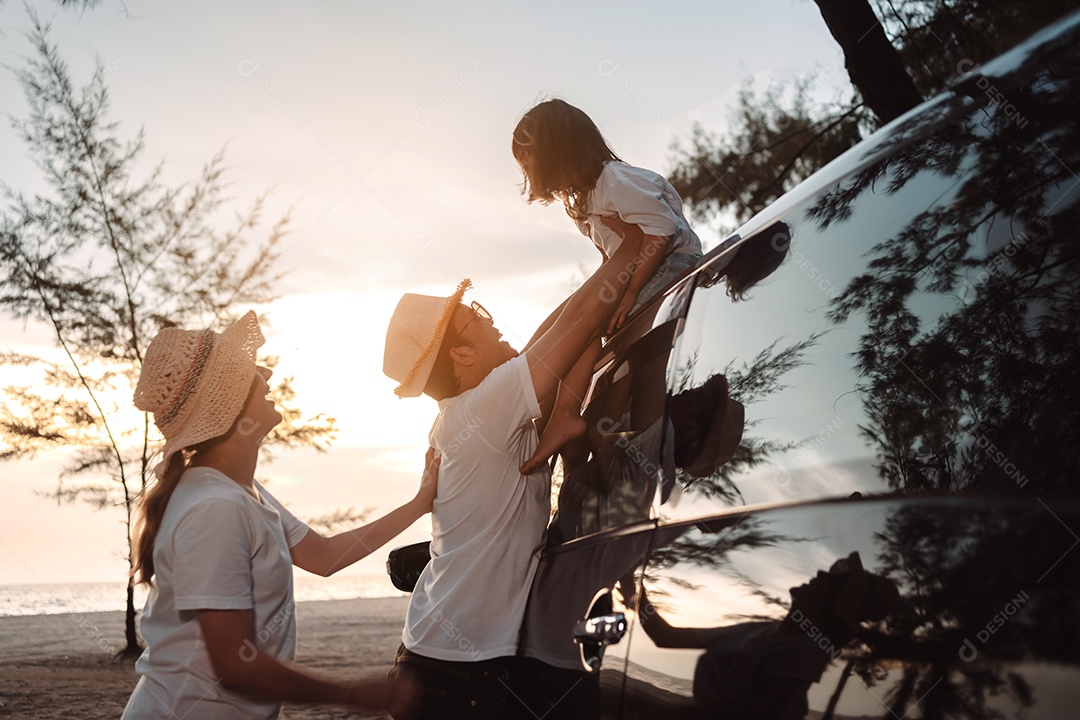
873	64
133	648
830	709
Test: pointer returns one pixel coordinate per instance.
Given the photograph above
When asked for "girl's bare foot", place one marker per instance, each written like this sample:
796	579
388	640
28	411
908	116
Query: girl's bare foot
562	428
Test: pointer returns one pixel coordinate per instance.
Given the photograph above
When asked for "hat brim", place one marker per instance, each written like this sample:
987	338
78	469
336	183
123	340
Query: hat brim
416	379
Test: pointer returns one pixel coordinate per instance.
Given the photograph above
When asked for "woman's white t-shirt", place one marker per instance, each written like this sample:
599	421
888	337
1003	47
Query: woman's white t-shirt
219	548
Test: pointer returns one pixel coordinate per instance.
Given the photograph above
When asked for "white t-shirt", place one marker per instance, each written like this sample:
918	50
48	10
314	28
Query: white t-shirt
640	197
488	522
218	549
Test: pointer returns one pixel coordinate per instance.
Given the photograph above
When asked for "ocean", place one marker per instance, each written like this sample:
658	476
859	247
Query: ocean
53	599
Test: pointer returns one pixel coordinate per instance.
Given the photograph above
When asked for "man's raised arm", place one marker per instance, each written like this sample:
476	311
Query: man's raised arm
585	315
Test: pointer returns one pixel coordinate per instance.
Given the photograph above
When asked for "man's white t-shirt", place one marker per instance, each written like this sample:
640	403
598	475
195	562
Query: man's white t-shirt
218	548
640	197
488	522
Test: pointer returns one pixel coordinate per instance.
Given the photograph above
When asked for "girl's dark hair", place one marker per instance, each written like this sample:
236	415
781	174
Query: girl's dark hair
561	153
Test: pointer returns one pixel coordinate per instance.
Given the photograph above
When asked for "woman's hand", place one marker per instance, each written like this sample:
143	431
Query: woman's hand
374	693
243	666
429	481
326	555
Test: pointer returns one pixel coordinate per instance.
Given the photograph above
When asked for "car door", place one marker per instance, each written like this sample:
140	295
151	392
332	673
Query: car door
893	607
604	513
903	322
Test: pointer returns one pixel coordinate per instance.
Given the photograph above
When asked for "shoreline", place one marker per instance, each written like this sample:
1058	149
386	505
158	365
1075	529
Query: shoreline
61	665
107	596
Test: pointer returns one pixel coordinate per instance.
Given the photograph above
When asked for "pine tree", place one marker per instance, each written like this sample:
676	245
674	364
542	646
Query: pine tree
105	259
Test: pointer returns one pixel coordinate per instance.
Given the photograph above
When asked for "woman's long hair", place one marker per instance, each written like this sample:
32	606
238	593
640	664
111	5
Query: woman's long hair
155	500
561	153
151	511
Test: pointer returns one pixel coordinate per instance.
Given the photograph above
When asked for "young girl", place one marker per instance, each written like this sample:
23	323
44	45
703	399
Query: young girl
563	155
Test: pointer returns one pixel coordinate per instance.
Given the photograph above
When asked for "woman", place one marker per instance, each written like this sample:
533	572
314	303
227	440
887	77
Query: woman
217	548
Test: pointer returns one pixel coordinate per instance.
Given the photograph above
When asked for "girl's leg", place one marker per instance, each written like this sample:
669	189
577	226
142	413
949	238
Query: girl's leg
547	324
566	423
547	402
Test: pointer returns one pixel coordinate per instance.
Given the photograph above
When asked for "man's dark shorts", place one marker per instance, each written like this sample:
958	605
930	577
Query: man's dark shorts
506	688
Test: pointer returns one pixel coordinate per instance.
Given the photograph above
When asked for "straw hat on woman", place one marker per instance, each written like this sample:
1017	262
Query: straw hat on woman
217	549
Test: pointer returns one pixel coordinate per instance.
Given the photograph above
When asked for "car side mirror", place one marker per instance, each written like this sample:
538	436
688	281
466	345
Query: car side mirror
405	563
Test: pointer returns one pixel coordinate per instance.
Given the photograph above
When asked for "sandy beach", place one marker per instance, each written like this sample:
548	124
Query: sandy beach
60	666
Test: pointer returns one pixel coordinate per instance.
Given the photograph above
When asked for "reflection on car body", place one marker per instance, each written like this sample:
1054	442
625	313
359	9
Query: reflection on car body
898	591
899	336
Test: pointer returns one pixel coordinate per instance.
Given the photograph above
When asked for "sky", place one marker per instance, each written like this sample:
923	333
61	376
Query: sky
384	130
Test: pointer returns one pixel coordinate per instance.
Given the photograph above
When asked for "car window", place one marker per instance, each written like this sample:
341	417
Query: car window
911	326
623	464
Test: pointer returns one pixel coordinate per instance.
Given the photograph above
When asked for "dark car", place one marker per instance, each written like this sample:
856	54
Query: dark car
832	469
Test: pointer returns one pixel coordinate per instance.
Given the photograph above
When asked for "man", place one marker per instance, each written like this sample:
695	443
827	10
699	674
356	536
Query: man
488	520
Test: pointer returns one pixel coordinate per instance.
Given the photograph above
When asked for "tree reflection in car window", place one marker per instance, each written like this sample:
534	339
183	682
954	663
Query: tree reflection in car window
946	275
982	395
747	384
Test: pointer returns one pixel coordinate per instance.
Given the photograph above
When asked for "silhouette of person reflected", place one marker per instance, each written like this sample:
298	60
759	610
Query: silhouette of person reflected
752	261
763	669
